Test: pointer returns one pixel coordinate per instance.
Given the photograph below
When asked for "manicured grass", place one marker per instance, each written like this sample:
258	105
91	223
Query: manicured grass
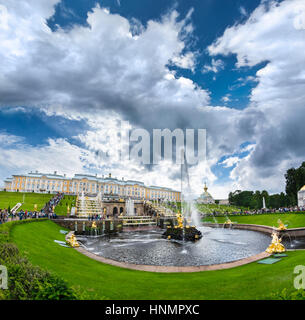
293	220
30	199
252	281
210	208
61	208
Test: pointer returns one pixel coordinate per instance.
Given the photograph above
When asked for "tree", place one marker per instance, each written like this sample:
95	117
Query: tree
295	180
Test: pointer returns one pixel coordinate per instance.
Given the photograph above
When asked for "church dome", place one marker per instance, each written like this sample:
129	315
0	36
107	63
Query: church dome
205	197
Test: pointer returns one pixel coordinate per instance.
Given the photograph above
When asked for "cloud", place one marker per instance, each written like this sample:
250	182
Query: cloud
226	98
243	11
8	140
102	66
215	66
272	34
230	162
243	81
56	155
116	69
186	61
109	69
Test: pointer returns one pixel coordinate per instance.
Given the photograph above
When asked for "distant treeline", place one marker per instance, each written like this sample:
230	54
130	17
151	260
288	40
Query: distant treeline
295	180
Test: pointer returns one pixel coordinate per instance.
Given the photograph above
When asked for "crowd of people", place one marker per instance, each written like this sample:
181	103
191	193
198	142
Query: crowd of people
6	216
46	212
49	207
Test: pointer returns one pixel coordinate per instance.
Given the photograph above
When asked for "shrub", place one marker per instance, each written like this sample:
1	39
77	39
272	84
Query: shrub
289	295
28	282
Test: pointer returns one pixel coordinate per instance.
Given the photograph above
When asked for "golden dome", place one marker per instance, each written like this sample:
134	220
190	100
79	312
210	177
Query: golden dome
303	188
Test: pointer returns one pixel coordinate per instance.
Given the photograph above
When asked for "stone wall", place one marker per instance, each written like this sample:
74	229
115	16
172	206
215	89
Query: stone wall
115	208
78	225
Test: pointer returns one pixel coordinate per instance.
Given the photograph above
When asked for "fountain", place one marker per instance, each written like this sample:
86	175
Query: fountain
142	242
131	219
88	205
276	246
264	203
182	231
72	241
130	208
189	214
281	225
228	222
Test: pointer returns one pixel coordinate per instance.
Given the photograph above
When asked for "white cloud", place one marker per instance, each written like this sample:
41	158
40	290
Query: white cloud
8	140
57	155
186	61
107	70
99	67
270	35
226	98
215	66
230	162
243	11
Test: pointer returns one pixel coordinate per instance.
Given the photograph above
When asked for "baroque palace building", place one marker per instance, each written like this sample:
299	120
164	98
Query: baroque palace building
89	184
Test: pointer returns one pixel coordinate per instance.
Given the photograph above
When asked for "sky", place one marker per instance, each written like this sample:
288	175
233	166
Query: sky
72	70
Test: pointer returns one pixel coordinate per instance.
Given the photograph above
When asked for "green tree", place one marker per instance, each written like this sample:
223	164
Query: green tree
295	180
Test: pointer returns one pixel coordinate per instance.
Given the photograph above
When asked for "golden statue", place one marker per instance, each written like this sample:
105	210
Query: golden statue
180	220
228	221
35	207
281	225
68	209
94	225
72	241
275	246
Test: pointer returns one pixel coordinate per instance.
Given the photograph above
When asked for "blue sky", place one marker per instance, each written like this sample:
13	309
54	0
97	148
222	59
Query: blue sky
73	69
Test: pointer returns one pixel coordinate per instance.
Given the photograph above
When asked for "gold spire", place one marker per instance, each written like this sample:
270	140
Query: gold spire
205	187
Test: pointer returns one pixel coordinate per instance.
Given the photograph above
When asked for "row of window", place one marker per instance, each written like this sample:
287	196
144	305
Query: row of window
90	187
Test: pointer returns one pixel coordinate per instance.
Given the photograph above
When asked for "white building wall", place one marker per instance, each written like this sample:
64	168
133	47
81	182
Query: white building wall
301	198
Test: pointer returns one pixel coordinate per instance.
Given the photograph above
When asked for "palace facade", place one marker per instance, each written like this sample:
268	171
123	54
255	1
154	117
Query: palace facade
89	184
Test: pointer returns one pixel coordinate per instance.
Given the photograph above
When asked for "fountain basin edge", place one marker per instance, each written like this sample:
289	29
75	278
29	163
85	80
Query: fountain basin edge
170	269
295	232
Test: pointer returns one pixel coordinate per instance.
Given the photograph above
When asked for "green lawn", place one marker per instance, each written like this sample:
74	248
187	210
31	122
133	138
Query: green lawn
12	198
293	220
253	281
61	208
210	208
